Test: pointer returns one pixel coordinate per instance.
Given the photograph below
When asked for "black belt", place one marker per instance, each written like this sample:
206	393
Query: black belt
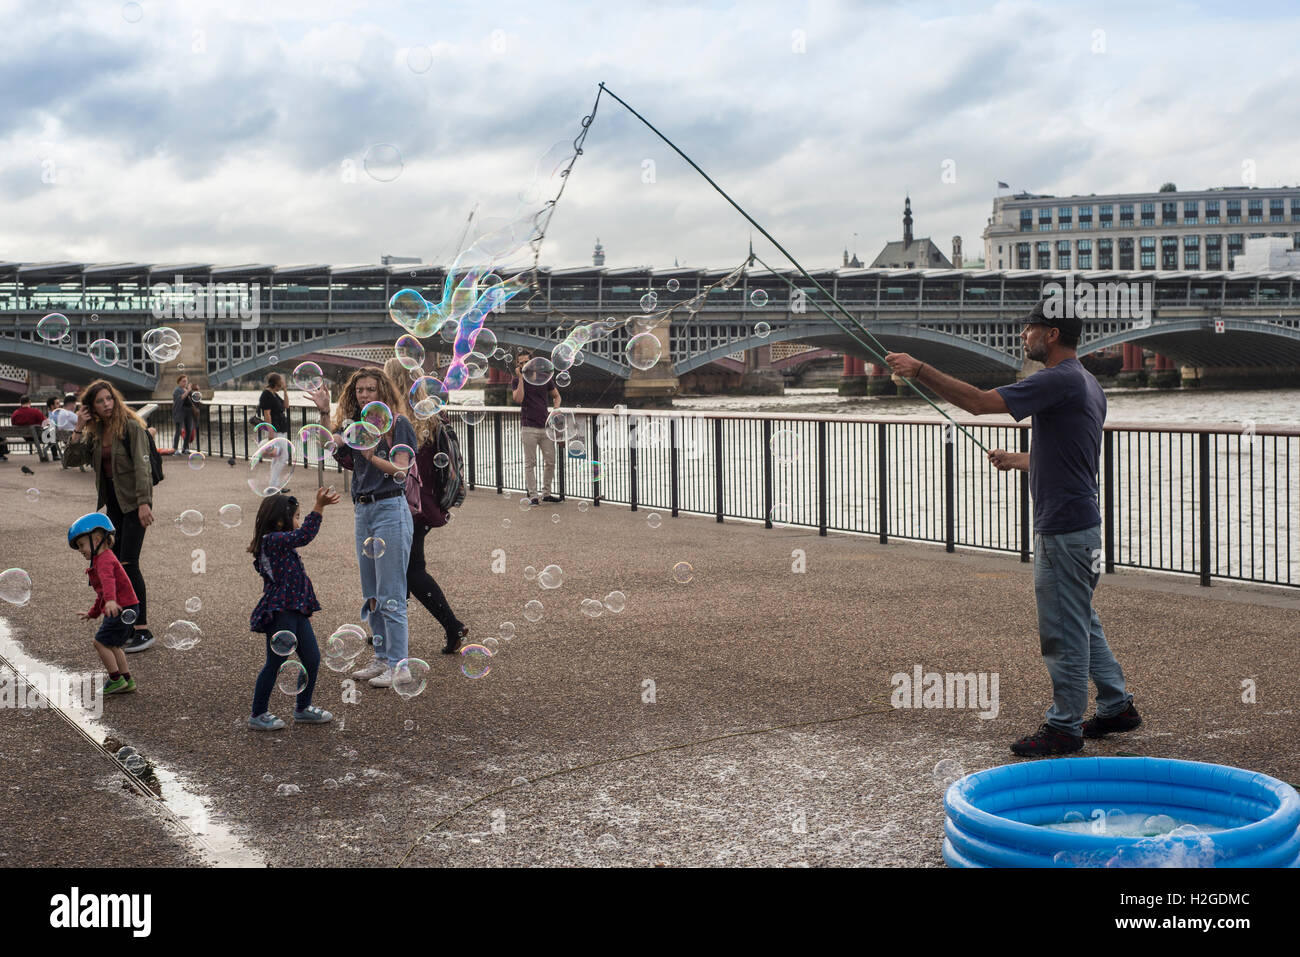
367	499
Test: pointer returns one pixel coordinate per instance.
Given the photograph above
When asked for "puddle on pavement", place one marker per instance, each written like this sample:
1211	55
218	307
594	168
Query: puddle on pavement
204	824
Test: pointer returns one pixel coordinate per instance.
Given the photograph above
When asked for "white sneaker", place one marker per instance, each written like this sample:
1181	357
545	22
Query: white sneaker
383	680
372	670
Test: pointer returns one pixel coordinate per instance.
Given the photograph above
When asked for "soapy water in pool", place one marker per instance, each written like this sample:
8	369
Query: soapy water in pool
1119	824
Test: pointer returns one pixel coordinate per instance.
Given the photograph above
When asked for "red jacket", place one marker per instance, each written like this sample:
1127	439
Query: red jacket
27	415
108	578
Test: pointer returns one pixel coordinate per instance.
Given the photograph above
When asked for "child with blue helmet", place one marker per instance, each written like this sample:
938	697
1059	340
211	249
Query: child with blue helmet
92	535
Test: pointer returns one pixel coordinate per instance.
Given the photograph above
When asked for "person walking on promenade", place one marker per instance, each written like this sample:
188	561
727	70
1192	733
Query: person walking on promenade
383	525
1067	409
419	582
111	437
273	404
183	414
535	404
92	535
287	603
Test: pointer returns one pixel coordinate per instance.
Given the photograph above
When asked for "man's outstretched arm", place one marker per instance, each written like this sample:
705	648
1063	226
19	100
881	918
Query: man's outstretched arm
961	394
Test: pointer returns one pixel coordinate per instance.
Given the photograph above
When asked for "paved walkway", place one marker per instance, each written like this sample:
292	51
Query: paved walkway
768	738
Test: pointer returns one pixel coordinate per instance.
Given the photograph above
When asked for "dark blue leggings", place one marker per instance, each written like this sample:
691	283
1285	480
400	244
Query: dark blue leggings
308	654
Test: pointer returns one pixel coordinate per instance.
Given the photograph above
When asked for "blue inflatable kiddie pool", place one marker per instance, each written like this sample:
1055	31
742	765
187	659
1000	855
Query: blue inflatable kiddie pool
1121	812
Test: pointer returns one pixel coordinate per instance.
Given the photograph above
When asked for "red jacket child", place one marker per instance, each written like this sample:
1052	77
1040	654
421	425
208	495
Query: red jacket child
108	578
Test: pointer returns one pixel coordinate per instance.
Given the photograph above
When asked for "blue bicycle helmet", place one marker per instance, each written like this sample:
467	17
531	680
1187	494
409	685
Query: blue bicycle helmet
88	523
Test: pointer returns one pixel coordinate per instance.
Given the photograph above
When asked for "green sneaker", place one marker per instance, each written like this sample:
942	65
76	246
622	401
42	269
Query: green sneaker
116	686
130	685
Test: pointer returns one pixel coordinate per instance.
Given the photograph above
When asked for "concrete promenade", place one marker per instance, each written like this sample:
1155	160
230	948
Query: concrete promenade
768	739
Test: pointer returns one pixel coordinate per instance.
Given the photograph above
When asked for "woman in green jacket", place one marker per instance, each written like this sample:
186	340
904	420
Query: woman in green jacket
111	437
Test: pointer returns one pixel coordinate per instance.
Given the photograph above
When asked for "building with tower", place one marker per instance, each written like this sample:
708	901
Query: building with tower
598	254
910	253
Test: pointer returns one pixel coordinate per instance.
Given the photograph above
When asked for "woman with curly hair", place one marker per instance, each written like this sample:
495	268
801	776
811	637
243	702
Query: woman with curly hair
112	438
382	518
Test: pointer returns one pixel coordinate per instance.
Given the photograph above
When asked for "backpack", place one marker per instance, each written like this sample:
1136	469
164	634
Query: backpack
155	459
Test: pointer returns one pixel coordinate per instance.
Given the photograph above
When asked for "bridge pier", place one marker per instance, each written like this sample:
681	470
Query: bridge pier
498	387
1166	374
880	381
1134	369
655	387
192	361
853	381
759	378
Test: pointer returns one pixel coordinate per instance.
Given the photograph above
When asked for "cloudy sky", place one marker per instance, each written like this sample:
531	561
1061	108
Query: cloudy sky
239	131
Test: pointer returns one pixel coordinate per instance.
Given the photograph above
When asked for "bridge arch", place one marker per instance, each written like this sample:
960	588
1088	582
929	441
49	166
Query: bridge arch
69	364
1193	341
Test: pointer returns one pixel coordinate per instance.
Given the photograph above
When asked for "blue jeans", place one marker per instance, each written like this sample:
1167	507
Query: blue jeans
308	654
1066	570
384	578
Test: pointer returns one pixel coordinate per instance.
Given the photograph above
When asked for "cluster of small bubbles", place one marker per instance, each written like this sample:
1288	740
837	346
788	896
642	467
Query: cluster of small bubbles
947	771
530	573
104	352
284	642
307	376
552	576
230	515
291	678
33	495
196	460
758	298
53	327
786	446
374	547
190	521
136	764
181	635
410	675
615	601
683	573
533	611
643	351
649	301
507	630
194	605
271	466
593	607
762	330
492	645
475	661
673	285
288	790
654	520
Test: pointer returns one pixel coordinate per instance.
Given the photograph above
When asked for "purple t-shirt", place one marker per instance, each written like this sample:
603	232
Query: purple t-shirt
536	405
1068	410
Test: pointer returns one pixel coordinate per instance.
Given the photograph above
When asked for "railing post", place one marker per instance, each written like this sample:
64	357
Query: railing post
1109	483
672	464
634	435
232	432
221	435
1024	499
498	441
882	485
593	455
767	473
561	453
821	477
1204	438
949	487
717	468
470	432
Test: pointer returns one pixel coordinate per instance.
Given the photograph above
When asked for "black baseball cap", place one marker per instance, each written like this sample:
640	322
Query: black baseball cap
1069	325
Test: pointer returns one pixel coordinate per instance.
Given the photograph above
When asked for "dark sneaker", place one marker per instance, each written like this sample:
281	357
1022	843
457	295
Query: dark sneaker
534	501
454	641
1099	727
142	639
1047	740
551	498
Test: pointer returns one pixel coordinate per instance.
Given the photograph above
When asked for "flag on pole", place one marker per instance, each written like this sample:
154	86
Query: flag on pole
1002	185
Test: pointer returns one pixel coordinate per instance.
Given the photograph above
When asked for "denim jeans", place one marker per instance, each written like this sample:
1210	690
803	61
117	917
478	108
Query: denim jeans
384	578
1066	570
308	654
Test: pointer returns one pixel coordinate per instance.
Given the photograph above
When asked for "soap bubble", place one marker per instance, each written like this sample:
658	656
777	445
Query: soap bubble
190	521
758	298
525	504
596	470
162	344
474	412
263	432
33	495
683	573
409	352
762	330
563	380
231	515
132	12
615	601
346	643
374	547
1158	824
654	520
649	301
781	514
194	605
53	327
592	608
361	435
181	635
533	611
786	446
307	376
383	162
505	523
379	415
507	630
104	352
196	460
577	449
408	308
582	506
291	678
271	466
427	396
398	452
530	573
316	441
673	285
410	675
561	425
441	460
284	642
563	354
129	617
476	365
555	518
485	341
538	370
643	350
552	576
475	661
947	771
